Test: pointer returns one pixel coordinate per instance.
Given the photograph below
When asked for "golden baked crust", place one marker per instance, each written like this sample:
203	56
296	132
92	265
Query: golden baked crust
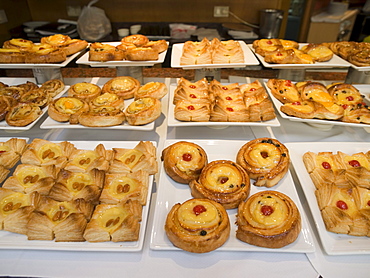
11	151
45	55
319	52
107	99
222	181
123	86
11	55
152	89
138	40
300	109
194	92
141	54
345	94
64	42
84	90
225	52
22	114
143	111
183	161
6	103
53	87
188	111
195	53
268	219
66	109
37	97
102	116
17	43
104	52
266	160
284	90
159	46
188	226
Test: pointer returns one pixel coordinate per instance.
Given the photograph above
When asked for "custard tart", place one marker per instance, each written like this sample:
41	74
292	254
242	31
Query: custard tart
66	109
152	89
12	56
84	90
123	86
107	99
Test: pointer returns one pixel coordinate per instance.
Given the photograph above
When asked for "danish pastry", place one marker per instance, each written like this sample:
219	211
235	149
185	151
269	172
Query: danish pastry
152	89
141	54
159	45
66	109
53	87
143	111
138	40
45	55
222	181
12	55
266	160
319	52
11	151
102	116
197	225
22	114
268	219
84	90
104	52
107	99
192	112
284	90
123	86
184	161
17	43
195	53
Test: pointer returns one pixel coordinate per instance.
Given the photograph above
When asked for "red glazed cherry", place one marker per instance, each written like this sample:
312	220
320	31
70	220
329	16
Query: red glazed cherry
190	107
192	86
269	42
198	209
296	103
192	96
326	165
279	54
228	98
288	83
186	156
345	106
264	154
368	203
354	163
349	98
342	205
252	89
224	88
2	151
223	180
229	109
267	210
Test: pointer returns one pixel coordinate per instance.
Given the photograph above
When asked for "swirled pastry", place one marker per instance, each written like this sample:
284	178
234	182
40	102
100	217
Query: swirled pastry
22	114
266	160
138	40
152	89
66	109
123	86
37	97
107	99
6	103
114	222
345	94
143	111
53	87
268	219
11	151
102	116
159	45
197	225
360	58
184	161
84	90
13	92
222	181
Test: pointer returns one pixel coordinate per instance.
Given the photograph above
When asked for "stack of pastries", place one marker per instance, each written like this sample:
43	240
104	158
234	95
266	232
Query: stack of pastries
22	104
89	105
51	49
279	51
63	193
357	53
132	48
211	52
201	101
342	183
313	100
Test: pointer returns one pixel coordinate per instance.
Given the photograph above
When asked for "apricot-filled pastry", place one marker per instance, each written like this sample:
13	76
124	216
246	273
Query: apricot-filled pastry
123	86
268	219
197	225
114	222
184	161
143	111
265	159
222	181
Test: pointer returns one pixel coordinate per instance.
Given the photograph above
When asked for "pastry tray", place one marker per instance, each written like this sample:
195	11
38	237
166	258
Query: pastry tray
9	240
318	123
84	60
176	123
249	59
171	192
334	62
333	244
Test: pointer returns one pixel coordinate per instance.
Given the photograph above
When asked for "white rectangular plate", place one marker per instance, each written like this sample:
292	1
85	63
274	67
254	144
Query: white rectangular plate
173	122
29	66
10	240
249	59
336	61
84	60
320	124
171	192
334	244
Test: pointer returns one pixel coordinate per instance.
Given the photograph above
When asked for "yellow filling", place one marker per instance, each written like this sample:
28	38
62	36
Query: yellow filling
278	206
112	218
13	202
223	178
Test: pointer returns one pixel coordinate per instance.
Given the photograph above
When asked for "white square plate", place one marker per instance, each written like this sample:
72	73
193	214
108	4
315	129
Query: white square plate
171	192
334	244
174	122
84	60
10	240
249	59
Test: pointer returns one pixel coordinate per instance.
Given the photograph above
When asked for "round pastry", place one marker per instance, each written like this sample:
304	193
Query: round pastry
143	111
283	90
184	161
84	90
56	40
105	52
64	42
102	116
222	181
13	92
141	54
319	52
8	56
138	40
22	114
360	58
266	160
53	87
345	94
123	86
152	89
107	99
28	86
38	97
268	219
66	109
198	225
21	44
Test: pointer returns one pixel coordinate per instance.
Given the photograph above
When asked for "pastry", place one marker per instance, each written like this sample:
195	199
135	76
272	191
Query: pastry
66	109
123	86
225	52
360	58
229	111
138	40
362	197
192	112
22	114
265	46
299	109
64	42
53	87
195	53
222	181
141	157
268	219
141	54
319	52
328	111
284	90
4	172
143	111
107	99
104	52
114	222
345	94
12	55
11	151
17	43
159	45
6	104
359	113
195	92
317	92
152	89
13	92
44	54
101	116
37	97
266	160
84	90
184	161
358	176
197	225
126	186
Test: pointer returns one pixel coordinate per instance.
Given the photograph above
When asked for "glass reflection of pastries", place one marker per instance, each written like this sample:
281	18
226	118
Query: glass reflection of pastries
84	90
141	157
143	111
122	187
222	181
265	159
122	86
11	151
107	99
78	185
22	114
62	221
152	89
268	219
114	222
28	178
66	109
198	225
183	161
15	210
102	116
53	87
